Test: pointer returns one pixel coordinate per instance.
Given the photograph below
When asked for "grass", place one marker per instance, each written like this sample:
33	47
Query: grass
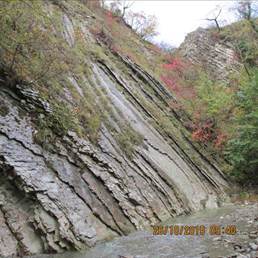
128	139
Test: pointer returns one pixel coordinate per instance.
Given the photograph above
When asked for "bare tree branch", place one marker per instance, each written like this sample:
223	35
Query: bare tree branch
215	20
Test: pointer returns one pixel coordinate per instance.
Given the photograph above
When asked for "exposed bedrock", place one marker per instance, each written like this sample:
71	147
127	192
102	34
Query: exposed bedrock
77	193
217	57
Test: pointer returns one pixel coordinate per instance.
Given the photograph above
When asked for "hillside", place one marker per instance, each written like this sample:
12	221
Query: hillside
92	142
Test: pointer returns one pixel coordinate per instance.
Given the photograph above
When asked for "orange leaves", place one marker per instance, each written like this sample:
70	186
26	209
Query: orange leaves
203	132
207	132
220	140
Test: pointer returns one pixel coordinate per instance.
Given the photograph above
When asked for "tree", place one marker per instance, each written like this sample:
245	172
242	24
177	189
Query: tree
215	19
120	7
144	25
27	49
247	10
243	148
125	5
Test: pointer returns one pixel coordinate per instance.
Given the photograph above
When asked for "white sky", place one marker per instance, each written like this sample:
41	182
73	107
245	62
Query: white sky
177	18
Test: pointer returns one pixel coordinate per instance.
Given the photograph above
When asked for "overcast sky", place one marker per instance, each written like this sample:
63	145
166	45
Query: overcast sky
177	18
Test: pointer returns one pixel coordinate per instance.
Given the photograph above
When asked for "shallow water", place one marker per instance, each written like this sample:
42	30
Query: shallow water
143	244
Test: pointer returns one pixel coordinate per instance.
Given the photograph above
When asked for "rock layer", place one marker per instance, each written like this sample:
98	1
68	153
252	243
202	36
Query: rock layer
217	57
78	193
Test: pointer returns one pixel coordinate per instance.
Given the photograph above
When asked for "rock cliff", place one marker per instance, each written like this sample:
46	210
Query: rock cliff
217	57
75	192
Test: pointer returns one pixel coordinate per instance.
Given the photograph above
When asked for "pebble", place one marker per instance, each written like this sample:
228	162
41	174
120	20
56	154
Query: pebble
253	246
241	256
253	234
253	254
42	116
239	248
217	239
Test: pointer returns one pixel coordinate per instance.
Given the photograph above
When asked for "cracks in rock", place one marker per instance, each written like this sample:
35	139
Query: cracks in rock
166	154
178	150
147	80
112	194
22	183
20	247
191	163
143	74
133	178
21	143
152	183
74	245
105	165
172	212
169	183
109	72
200	170
56	173
80	197
58	244
120	231
16	203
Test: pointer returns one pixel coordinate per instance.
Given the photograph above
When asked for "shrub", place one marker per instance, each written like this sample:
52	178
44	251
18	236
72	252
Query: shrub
128	139
55	124
243	148
28	47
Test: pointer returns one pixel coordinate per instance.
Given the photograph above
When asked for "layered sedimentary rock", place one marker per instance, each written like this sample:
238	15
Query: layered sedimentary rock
217	57
78	193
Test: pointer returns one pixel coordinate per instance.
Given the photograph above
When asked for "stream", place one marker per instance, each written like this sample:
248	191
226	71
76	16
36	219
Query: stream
143	244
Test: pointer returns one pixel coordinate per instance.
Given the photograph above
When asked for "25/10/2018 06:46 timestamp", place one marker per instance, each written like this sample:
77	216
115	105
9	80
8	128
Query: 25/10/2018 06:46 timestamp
194	230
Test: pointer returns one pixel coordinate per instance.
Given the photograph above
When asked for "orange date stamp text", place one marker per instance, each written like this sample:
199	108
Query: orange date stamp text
194	230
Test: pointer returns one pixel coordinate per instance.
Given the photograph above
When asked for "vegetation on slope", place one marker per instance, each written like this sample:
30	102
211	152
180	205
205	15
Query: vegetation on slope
223	115
34	52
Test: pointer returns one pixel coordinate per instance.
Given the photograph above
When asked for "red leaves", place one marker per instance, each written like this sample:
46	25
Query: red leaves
207	132
170	82
174	64
181	91
170	79
220	140
203	132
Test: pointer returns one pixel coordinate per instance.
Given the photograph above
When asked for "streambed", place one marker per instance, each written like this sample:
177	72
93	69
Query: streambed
143	244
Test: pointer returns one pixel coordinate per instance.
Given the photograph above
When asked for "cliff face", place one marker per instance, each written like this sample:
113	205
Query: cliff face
76	192
215	56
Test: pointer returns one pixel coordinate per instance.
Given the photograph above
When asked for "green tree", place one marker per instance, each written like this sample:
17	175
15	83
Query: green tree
243	148
27	47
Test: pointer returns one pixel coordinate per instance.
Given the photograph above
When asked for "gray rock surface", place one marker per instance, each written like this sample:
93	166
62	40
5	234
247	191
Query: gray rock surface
77	193
179	246
218	58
